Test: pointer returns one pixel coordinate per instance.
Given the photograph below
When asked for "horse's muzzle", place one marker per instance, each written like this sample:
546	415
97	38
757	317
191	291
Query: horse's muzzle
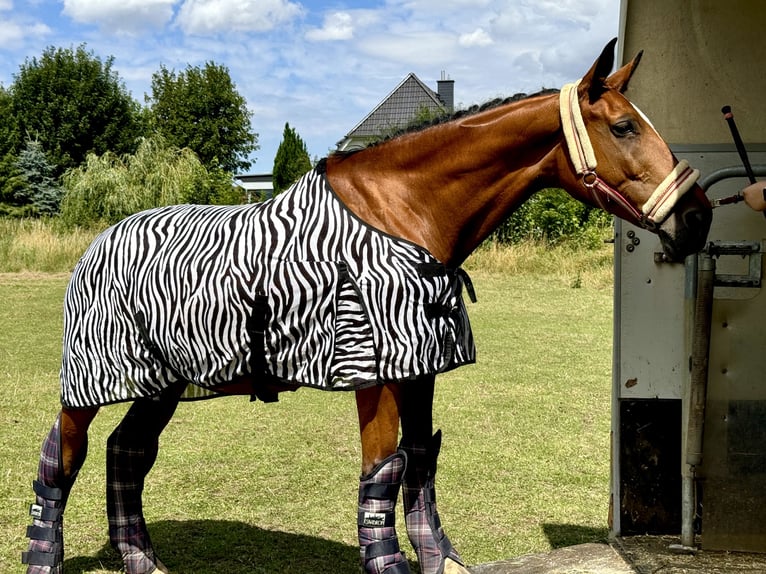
685	231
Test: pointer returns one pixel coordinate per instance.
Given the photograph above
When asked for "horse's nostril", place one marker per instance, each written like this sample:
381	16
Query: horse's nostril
697	219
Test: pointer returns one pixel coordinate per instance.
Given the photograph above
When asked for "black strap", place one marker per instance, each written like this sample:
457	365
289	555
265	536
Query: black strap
256	328
385	547
467	283
446	548
379	491
35	558
47	492
430	270
45	513
44	533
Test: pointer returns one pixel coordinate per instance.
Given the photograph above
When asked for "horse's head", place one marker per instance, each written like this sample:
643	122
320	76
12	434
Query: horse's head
624	166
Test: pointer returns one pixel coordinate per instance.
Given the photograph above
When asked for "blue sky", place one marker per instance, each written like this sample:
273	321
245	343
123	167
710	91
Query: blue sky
321	65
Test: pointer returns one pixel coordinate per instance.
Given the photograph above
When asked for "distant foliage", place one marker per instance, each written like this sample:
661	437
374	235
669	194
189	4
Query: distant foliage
108	188
73	103
35	184
200	109
553	216
291	161
8	135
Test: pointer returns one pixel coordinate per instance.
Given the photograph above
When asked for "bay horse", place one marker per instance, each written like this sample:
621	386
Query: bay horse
156	292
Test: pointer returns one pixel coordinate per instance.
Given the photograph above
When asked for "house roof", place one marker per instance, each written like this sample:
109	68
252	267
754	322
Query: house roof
398	109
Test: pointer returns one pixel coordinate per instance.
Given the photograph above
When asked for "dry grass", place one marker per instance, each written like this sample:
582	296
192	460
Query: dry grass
567	263
40	245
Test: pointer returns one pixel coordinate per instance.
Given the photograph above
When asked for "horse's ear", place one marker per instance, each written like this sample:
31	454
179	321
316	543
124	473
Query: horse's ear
594	82
621	78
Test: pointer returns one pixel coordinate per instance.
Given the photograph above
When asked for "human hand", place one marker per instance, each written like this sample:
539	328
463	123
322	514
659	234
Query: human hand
755	195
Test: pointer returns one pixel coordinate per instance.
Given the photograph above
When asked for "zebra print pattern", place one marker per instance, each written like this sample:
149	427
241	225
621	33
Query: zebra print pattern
167	294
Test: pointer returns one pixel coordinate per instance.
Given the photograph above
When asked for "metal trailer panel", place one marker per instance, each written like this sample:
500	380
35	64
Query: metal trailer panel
699	55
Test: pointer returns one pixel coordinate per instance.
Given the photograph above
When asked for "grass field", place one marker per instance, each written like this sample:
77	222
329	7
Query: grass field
244	487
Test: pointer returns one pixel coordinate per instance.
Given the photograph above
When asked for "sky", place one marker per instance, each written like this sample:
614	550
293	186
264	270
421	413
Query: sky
321	65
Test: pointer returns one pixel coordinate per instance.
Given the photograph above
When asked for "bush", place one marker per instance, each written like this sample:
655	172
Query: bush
108	188
553	216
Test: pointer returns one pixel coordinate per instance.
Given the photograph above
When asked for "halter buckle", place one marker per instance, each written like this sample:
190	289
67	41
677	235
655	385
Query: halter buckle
589	179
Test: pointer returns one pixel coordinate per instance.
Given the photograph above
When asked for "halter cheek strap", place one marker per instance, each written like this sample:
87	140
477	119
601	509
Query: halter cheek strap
654	211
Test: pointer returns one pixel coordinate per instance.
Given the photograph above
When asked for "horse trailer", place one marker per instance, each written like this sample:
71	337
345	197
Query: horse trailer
689	395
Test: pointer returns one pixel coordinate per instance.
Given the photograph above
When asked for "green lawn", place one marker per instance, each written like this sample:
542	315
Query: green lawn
244	487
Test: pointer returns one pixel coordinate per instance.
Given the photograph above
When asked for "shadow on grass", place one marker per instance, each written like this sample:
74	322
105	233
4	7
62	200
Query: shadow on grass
213	546
562	535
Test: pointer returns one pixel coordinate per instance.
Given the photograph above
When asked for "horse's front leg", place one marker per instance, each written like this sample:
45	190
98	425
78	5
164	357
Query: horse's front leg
436	555
382	470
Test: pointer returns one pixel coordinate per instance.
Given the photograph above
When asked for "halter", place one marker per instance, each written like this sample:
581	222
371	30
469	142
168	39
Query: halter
654	211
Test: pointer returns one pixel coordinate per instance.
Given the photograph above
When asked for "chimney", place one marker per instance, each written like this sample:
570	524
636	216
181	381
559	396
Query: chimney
446	90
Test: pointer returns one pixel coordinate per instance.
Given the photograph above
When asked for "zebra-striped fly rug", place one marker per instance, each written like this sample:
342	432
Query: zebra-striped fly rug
172	293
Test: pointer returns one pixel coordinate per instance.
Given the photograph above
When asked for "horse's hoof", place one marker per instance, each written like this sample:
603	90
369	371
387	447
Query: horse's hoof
452	567
160	568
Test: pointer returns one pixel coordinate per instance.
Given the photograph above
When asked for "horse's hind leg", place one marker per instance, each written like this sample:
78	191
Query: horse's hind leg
63	453
131	452
436	555
382	470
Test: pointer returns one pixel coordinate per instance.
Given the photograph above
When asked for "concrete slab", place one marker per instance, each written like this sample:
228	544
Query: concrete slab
591	558
630	555
652	554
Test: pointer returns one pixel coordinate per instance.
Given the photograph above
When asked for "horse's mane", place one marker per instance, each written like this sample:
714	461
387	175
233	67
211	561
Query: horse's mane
421	125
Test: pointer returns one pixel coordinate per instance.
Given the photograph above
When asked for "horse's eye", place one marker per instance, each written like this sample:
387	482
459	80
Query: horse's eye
624	128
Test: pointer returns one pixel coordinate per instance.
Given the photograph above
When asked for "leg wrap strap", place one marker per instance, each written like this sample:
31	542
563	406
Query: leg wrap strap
378	492
419	493
45	554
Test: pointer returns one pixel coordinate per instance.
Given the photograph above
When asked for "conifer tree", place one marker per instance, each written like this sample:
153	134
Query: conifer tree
291	162
37	186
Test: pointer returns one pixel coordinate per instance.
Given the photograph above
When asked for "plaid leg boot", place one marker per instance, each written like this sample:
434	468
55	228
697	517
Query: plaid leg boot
423	525
131	451
45	554
378	493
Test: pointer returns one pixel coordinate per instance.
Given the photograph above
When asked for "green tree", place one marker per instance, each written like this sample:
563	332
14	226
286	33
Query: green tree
292	160
108	188
8	134
38	187
73	103
200	109
552	215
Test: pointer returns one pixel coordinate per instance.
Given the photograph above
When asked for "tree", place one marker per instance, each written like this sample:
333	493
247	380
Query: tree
8	134
108	188
200	109
38	187
292	160
73	104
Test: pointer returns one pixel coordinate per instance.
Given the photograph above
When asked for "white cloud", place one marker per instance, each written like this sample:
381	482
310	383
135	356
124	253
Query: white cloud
215	16
131	16
10	33
6	5
476	38
13	34
336	26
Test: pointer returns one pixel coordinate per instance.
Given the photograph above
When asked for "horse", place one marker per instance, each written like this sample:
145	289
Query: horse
173	301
